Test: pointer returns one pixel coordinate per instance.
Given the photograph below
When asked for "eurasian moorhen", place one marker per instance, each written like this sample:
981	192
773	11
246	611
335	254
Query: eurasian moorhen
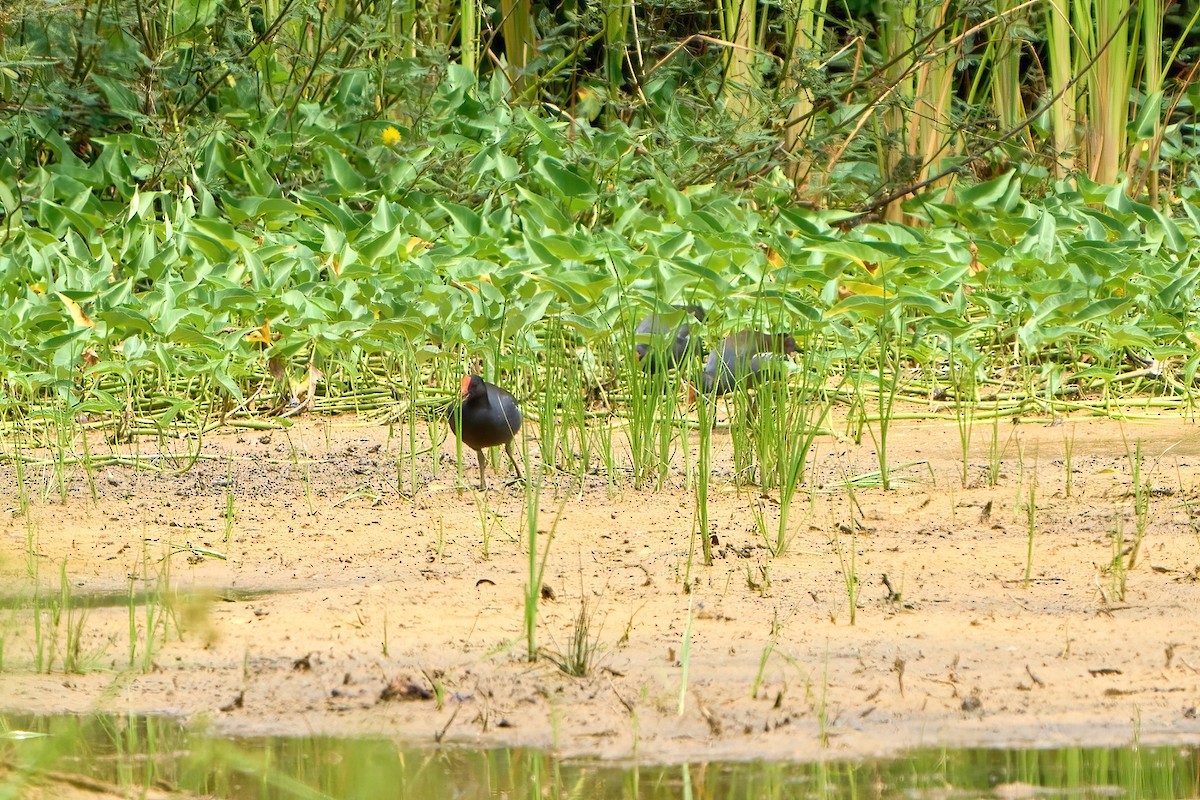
744	357
489	417
656	332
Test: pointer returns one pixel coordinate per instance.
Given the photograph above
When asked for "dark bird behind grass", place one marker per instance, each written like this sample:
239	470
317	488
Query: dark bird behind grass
485	416
745	358
663	345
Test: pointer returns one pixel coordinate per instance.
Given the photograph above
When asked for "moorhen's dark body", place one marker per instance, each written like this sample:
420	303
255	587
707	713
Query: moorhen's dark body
487	416
744	357
660	334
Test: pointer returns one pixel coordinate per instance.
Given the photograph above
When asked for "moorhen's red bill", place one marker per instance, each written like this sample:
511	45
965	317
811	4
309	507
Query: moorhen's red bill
739	362
487	416
655	333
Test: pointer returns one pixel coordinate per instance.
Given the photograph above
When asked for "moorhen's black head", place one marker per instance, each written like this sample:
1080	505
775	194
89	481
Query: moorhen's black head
472	386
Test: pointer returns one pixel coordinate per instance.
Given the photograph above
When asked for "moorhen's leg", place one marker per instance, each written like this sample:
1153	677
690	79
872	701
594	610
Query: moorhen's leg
508	449
482	482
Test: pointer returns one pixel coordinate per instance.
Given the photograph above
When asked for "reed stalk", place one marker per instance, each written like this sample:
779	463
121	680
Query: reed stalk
520	43
1005	51
1108	87
1060	73
804	24
740	82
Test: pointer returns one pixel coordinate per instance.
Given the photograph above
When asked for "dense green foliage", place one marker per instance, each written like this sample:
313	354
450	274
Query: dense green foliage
206	205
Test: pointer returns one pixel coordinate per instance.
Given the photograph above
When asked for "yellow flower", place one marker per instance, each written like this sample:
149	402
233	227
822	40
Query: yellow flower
390	136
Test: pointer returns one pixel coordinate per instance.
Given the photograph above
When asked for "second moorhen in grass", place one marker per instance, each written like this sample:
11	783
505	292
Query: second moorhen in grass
486	416
659	338
743	359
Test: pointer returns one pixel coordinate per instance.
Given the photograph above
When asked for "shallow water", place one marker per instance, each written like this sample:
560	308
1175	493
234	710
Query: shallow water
130	753
123	598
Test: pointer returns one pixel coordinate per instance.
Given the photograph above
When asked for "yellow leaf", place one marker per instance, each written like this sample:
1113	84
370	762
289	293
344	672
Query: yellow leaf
77	316
857	287
976	266
261	335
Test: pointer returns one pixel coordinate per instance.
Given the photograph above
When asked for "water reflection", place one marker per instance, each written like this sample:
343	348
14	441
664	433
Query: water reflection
133	755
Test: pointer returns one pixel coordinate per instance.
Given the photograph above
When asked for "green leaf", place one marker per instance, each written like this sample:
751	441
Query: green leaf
569	185
527	314
573	248
867	305
996	193
119	98
192	14
122	322
1101	309
339	172
861	253
1040	239
1148	116
1169	295
469	225
383	246
1128	335
551	215
227	383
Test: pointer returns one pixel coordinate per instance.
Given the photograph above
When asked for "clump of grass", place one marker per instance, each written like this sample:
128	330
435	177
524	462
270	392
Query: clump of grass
59	425
888	387
413	382
848	561
685	657
537	565
823	703
962	379
882	383
653	421
1125	551
1020	482
300	465
58	620
25	509
384	643
72	659
1141	502
995	454
1117	570
439	551
533	584
485	518
230	515
704	417
758	578
742	416
579	657
768	649
1068	462
1031	527
791	416
88	467
569	377
156	613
